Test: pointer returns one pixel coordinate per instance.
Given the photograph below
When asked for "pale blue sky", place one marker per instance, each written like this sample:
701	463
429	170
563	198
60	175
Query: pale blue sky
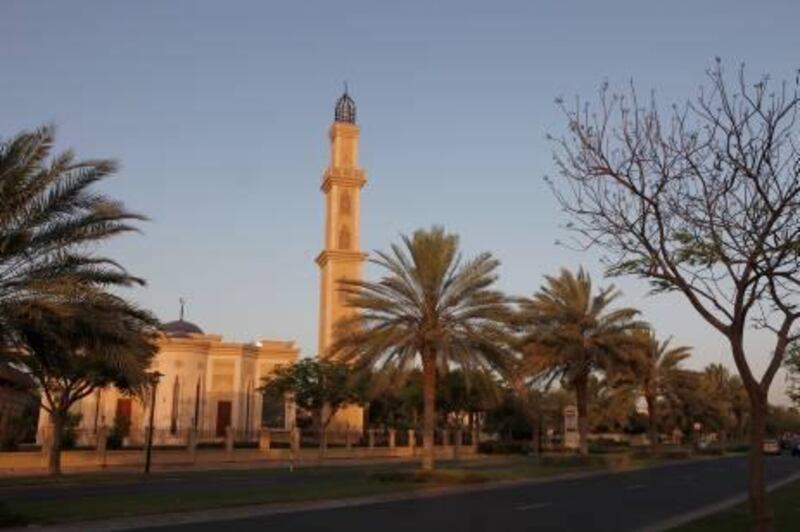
219	112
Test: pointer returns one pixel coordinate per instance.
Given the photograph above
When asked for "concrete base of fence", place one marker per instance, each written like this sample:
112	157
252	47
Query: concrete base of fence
30	463
191	445
265	440
229	434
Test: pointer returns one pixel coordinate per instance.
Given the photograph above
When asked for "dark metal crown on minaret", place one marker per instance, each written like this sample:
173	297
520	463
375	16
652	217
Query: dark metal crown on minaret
345	109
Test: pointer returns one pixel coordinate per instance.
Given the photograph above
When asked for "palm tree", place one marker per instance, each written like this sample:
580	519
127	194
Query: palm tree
658	373
569	332
612	404
724	399
685	405
429	307
50	221
51	279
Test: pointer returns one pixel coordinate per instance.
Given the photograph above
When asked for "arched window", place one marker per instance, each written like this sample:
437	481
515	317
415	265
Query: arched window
176	393
344	238
344	203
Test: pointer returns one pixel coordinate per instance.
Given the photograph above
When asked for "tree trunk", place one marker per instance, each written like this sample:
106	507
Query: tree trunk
756	481
429	415
325	416
323	441
54	459
582	397
651	421
536	436
723	441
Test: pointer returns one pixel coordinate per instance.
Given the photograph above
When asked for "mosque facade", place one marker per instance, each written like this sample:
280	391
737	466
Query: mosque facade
206	383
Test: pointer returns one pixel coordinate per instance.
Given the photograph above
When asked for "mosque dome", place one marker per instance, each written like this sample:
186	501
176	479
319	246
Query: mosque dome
181	328
345	109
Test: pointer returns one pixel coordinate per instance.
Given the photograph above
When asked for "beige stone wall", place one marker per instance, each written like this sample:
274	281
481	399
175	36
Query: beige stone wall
197	373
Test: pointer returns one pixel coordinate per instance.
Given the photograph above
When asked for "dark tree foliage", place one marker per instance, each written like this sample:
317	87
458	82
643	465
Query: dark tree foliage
60	321
570	331
319	386
792	366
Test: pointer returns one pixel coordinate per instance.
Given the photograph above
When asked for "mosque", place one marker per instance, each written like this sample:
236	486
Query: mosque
206	383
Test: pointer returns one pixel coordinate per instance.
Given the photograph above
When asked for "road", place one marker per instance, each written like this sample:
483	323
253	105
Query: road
629	501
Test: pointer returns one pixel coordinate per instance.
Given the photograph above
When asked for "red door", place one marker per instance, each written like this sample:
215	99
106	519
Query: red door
223	417
123	408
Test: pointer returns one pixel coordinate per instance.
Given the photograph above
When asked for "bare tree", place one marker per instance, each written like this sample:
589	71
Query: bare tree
703	200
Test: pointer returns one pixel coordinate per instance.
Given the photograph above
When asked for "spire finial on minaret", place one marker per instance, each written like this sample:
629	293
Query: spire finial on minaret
345	108
183	306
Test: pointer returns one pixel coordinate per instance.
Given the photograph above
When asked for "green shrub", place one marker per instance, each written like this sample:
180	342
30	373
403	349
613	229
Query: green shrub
21	428
9	518
431	477
608	445
13	436
498	447
677	453
69	432
571	460
609	442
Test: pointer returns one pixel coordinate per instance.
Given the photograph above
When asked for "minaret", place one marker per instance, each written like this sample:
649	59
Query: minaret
341	258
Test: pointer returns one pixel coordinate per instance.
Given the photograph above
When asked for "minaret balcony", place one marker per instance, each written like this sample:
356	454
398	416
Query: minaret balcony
353	177
340	255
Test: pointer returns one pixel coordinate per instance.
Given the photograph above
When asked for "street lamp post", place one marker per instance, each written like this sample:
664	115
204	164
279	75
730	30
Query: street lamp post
154	378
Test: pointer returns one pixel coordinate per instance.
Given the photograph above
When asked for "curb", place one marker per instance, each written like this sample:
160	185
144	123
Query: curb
709	509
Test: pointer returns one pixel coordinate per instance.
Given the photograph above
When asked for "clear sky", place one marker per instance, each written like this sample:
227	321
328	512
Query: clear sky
219	112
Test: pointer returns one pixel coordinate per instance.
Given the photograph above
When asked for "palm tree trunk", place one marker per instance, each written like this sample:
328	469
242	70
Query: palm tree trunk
323	441
429	415
723	440
54	456
582	398
651	420
536	436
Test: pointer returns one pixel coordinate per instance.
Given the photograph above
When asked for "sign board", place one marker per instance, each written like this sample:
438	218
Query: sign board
571	438
570	419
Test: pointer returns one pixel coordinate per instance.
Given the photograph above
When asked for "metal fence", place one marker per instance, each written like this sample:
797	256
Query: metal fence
274	438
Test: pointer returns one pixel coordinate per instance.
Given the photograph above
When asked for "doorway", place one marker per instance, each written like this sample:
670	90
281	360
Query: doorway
223	417
124	408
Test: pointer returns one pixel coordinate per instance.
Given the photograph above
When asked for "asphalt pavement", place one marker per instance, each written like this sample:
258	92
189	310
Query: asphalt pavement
615	502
